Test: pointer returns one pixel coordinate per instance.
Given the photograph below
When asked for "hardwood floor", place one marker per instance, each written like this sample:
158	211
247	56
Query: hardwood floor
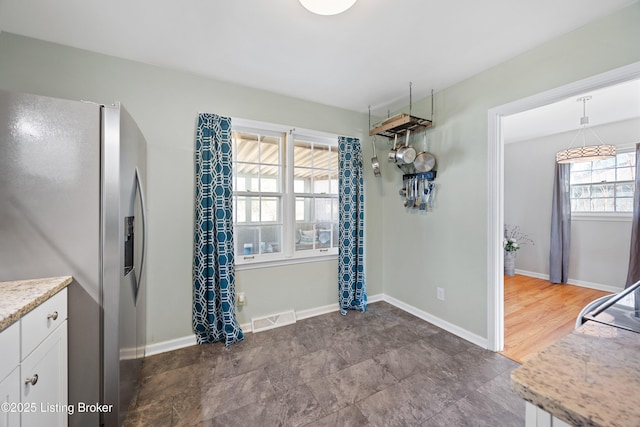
537	313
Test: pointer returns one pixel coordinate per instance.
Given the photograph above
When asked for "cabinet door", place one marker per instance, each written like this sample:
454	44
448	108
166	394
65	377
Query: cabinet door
10	394
46	367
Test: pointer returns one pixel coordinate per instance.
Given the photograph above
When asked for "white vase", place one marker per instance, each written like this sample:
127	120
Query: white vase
509	263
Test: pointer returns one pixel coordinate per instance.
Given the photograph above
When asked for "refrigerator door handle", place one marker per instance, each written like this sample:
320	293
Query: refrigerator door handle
144	231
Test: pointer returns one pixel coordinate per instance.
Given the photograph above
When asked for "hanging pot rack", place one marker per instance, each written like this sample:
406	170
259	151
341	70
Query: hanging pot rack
401	123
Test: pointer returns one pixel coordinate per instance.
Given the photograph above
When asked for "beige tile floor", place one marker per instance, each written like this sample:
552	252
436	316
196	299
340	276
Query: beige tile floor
384	367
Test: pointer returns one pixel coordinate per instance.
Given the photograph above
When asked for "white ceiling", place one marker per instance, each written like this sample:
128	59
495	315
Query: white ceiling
365	56
607	105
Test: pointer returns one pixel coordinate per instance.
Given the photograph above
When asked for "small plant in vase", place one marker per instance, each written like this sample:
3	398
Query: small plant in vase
514	239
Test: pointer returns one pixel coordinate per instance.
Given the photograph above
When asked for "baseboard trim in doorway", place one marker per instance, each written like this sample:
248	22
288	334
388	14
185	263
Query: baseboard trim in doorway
582	283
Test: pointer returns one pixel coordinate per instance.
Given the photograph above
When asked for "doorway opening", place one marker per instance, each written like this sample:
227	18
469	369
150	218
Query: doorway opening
495	226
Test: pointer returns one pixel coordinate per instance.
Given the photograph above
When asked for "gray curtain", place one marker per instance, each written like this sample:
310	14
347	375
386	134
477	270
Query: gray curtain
633	275
560	226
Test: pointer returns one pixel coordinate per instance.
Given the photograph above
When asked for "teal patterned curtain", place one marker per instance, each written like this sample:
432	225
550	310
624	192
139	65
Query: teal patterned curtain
214	316
351	281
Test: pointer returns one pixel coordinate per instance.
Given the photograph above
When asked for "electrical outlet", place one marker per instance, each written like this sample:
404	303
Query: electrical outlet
440	293
241	298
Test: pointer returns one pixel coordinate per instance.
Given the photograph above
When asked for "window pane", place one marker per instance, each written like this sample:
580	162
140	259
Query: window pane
254	203
626	159
270	150
624	204
270	179
247	147
580	166
302	154
606	163
580	177
334	184
602	205
240	209
321	182
302	180
324	236
240	184
321	156
604	175
270	211
324	210
333	160
299	185
300	211
580	191
625	189
247	240
270	239
626	174
306	236
602	190
303	209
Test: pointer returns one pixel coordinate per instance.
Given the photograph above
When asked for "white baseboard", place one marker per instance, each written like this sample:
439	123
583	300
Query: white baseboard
582	283
174	344
189	340
443	324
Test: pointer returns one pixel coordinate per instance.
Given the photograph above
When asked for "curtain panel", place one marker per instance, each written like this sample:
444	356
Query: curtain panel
352	291
633	274
214	317
560	225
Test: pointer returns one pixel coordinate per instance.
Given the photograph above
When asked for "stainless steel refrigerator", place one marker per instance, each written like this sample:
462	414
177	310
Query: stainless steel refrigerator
72	203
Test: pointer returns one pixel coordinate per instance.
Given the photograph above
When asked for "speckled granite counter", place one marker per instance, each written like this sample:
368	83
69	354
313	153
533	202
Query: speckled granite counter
20	297
589	378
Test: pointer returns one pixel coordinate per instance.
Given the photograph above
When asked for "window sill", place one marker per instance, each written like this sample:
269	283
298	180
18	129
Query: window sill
284	261
602	216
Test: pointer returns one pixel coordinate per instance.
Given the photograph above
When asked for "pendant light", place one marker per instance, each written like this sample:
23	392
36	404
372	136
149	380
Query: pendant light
586	153
327	7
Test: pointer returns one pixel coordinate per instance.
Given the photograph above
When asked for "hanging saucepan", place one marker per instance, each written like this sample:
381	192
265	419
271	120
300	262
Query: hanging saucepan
406	154
392	153
424	162
375	164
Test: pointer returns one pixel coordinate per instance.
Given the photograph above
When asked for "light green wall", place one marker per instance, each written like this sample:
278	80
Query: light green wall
165	104
408	254
448	247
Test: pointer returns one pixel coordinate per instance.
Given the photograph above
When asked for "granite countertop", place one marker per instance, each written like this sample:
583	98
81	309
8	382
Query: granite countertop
20	297
591	377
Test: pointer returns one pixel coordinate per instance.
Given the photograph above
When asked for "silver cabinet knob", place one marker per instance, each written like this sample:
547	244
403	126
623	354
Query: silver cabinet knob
33	380
53	316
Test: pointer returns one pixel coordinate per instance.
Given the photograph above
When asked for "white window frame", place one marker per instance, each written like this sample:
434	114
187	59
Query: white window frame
604	215
288	254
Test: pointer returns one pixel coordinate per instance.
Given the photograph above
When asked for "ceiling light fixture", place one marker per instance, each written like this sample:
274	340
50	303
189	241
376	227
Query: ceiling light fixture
327	7
586	153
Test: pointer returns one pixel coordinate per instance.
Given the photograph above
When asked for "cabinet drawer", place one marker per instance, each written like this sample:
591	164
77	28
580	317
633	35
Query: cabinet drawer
10	345
44	319
46	368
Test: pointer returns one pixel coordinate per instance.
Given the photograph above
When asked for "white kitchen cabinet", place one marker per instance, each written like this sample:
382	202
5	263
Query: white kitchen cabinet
10	395
536	417
44	382
33	367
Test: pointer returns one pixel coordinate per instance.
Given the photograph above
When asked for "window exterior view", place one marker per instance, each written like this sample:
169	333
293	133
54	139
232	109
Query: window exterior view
603	185
285	195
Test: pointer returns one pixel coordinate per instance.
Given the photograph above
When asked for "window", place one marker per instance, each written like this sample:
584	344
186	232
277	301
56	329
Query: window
285	194
603	185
